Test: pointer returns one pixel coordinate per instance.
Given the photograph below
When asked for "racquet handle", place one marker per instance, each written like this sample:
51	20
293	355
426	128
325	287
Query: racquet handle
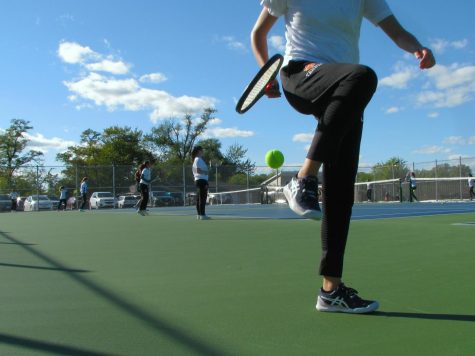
269	86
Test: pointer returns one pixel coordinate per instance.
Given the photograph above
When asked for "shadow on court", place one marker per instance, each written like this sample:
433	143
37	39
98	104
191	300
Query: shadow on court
428	316
164	327
46	346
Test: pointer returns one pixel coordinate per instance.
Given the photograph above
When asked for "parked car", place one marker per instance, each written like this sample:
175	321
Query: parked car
37	202
127	201
20	203
160	198
5	202
54	201
100	200
178	197
214	199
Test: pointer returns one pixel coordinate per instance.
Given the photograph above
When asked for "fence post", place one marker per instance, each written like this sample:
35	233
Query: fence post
436	183
216	176
460	176
113	181
38	187
184	183
77	187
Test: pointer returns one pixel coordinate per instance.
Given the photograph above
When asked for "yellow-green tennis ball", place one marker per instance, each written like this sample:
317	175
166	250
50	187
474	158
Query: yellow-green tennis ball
274	159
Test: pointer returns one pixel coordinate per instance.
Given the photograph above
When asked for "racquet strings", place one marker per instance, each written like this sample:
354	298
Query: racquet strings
261	84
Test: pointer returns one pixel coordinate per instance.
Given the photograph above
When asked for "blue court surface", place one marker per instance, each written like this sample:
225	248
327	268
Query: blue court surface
361	211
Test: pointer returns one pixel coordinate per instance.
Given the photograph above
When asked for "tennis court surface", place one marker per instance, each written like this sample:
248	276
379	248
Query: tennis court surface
115	283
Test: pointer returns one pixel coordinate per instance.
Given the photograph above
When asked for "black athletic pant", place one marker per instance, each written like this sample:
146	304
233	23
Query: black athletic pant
201	195
472	194
84	201
336	94
144	193
62	201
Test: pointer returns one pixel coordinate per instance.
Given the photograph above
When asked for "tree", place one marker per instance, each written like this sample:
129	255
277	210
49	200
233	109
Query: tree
176	138
116	149
13	145
236	156
395	167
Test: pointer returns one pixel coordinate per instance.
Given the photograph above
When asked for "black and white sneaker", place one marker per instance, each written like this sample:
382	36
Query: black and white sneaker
344	300
302	196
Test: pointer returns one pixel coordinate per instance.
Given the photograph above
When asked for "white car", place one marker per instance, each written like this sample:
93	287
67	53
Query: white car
100	200
127	201
37	202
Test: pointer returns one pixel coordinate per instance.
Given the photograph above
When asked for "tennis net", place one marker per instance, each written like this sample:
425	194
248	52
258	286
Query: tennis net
427	189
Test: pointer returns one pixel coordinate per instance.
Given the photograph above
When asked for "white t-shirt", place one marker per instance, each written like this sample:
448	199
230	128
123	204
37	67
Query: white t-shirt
471	182
146	177
63	194
325	31
200	163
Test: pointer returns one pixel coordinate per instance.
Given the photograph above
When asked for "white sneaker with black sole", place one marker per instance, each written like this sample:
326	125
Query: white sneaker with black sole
344	300
302	197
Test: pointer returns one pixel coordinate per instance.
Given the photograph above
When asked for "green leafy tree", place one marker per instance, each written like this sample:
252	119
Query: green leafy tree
395	167
175	138
13	151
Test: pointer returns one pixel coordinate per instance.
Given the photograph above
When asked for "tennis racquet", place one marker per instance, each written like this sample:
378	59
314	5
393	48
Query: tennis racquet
258	85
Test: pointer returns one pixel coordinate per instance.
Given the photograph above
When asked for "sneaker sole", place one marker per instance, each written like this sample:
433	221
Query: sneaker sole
308	214
323	307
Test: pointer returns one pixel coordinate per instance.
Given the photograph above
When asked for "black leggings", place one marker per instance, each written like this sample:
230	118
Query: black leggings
144	193
336	94
84	201
201	195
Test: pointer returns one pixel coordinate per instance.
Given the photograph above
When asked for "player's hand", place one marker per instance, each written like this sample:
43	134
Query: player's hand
272	90
425	57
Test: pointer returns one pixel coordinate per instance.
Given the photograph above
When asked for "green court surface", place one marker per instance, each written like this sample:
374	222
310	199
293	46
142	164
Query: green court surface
121	284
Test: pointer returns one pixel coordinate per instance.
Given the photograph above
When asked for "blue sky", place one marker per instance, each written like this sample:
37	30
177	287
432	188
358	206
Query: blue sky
71	65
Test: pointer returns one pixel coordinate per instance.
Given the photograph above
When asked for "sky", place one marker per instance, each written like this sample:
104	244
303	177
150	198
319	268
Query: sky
67	66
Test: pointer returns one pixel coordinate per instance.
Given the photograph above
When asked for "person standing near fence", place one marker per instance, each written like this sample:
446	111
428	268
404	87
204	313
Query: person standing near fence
369	191
83	191
200	172
412	187
63	198
138	177
14	197
145	181
471	186
322	77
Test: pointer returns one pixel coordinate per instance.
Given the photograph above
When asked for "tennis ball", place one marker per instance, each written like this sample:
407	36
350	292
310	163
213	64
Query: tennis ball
274	159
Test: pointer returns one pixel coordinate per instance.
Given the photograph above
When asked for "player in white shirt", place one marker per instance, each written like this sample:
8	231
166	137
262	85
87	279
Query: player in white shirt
322	77
200	172
471	186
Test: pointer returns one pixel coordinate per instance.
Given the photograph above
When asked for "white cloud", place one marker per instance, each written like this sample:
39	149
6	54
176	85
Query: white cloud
153	78
440	45
471	140
40	143
123	93
454	140
454	85
401	77
453	76
433	115
303	137
233	44
277	42
221	132
74	53
106	65
215	121
429	150
393	110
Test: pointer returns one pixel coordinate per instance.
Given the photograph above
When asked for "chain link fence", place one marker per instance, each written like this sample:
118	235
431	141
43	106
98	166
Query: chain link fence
436	180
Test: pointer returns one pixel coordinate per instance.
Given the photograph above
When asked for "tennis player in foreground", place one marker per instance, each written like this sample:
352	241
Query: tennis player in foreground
321	77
